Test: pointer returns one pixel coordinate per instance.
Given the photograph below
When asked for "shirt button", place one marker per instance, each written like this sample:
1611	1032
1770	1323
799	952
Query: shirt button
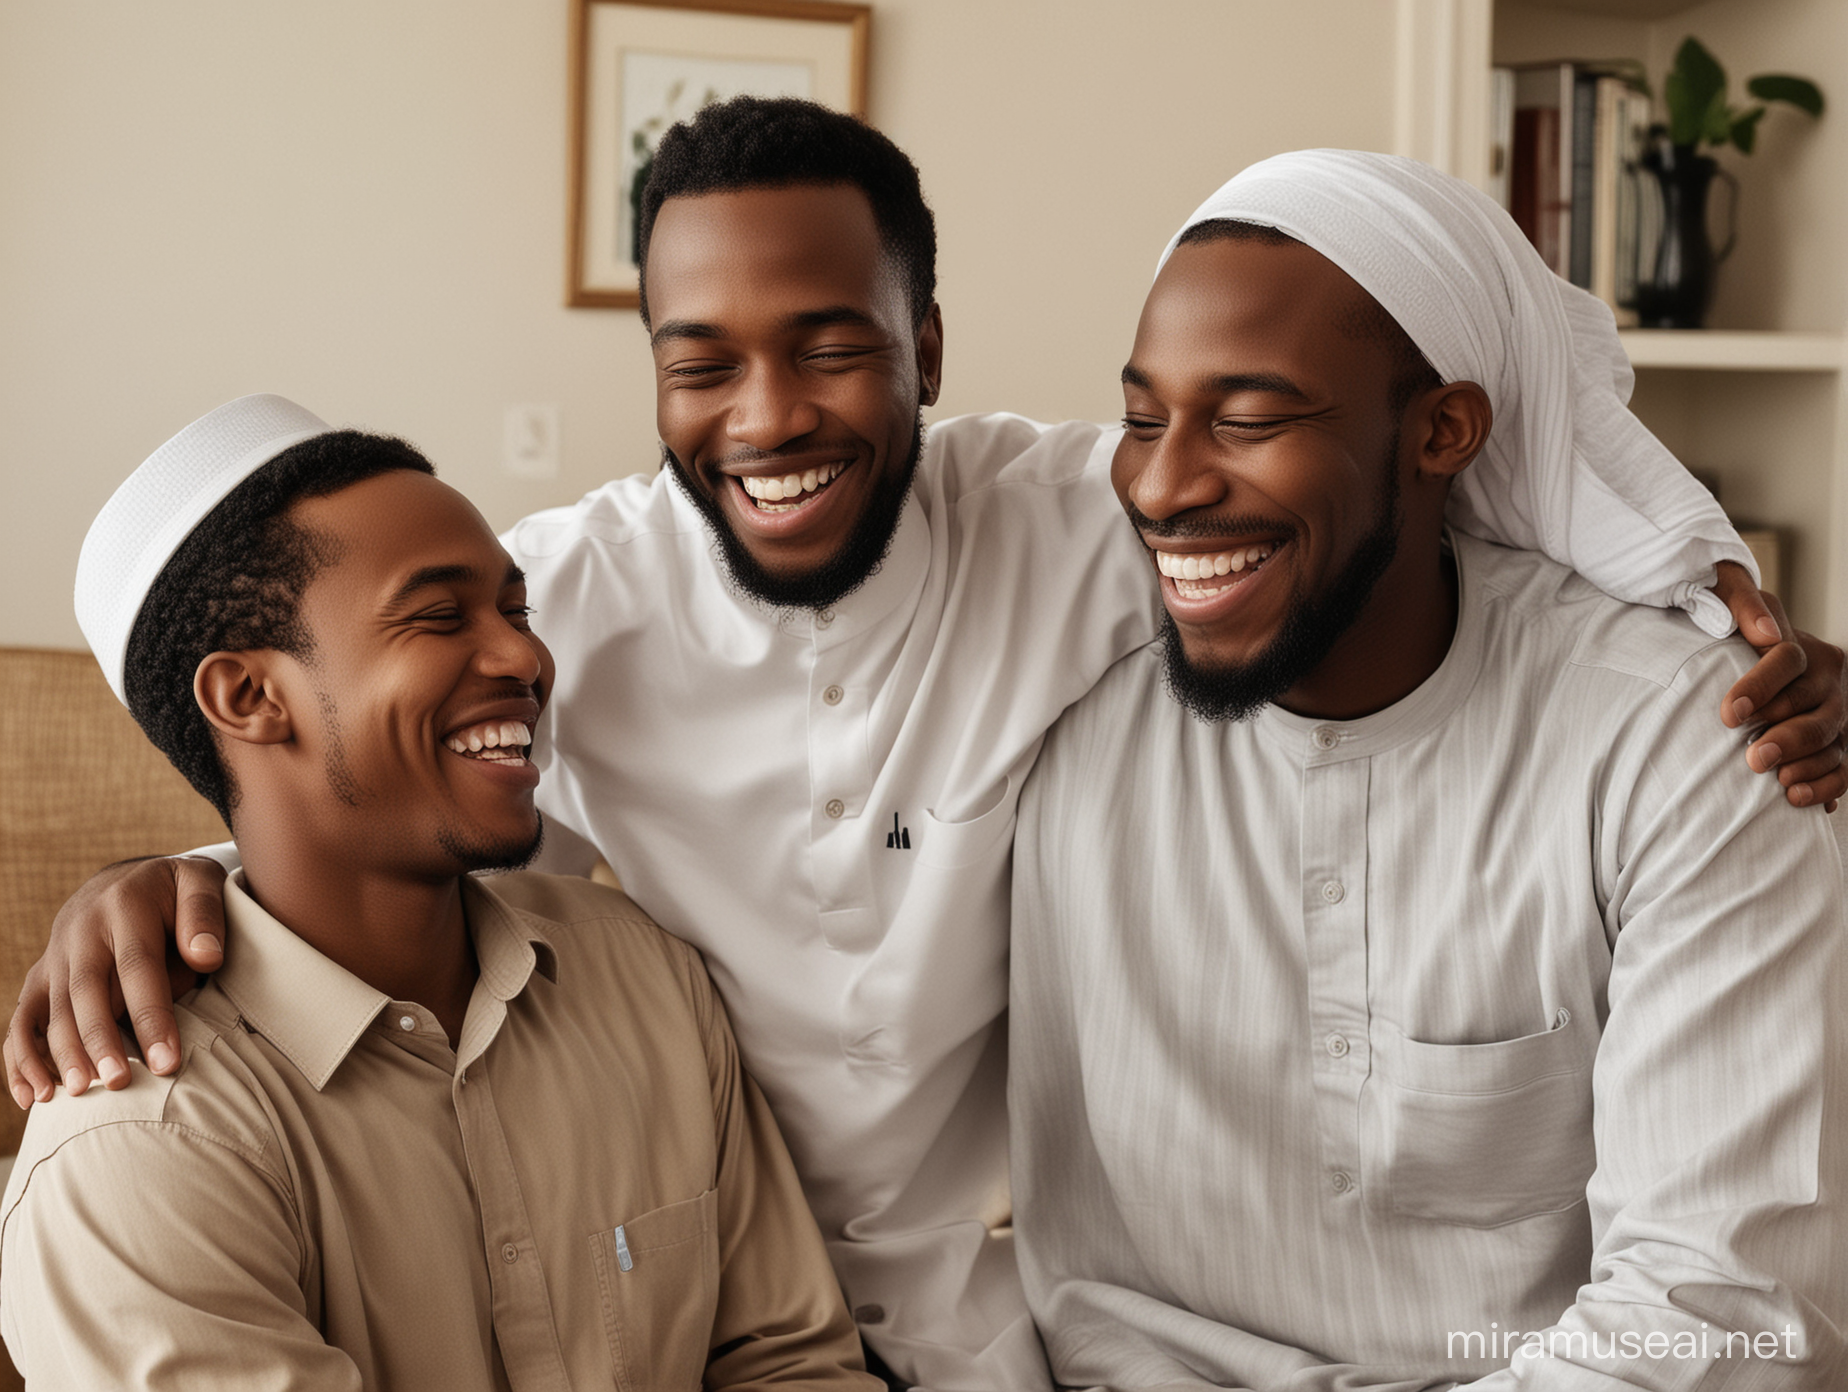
835	807
1341	1181
824	618
833	695
869	1314
1325	738
1333	892
407	1023
1337	1045
510	1253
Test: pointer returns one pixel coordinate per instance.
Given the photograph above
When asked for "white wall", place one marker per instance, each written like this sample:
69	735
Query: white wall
361	205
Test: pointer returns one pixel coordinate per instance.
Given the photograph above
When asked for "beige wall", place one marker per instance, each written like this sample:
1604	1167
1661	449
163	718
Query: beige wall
361	205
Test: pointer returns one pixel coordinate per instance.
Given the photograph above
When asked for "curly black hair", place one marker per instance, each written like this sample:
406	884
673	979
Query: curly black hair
235	584
1366	319
765	142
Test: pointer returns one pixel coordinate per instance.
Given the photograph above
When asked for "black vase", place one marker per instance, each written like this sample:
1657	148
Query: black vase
1676	292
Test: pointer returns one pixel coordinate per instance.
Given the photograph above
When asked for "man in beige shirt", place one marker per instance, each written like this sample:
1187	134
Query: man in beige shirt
432	1132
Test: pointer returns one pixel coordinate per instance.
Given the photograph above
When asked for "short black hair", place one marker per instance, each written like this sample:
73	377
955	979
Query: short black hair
235	584
773	142
1366	318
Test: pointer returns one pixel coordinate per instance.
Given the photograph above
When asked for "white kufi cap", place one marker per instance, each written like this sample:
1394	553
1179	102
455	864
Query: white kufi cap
158	505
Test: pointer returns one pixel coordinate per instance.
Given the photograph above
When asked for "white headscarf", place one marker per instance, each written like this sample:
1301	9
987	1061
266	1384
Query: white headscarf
1568	469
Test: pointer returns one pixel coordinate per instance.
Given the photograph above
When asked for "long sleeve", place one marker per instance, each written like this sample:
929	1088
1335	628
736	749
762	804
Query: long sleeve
1720	1086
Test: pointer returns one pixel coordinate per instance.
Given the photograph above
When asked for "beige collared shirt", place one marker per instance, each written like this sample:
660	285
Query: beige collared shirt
587	1193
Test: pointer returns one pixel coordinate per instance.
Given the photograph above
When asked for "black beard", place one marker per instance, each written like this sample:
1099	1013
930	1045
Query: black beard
1238	691
837	577
506	855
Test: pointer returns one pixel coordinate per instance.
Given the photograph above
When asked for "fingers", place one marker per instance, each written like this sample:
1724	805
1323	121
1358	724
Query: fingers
108	953
149	979
70	1063
147	999
1820	778
1765	693
29	1074
95	1004
15	1080
199	915
1757	612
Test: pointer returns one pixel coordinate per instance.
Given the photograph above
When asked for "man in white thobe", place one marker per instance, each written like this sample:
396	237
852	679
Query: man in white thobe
1407	991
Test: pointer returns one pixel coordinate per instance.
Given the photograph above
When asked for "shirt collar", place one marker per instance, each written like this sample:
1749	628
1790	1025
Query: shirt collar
314	1011
1426	707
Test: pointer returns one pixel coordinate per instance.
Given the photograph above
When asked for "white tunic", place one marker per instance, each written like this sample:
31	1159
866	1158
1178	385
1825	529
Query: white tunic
1516	1007
825	806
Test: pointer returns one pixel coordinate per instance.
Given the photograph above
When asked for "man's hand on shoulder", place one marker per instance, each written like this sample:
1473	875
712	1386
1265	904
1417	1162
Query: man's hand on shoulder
128	942
1798	690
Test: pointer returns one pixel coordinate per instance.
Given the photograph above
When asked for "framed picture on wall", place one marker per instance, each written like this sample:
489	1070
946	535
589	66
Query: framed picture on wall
638	66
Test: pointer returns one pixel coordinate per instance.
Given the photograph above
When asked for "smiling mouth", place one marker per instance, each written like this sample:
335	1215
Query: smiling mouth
492	741
788	492
1198	576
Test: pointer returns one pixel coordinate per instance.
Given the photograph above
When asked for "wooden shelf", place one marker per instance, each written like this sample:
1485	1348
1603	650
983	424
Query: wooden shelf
1734	351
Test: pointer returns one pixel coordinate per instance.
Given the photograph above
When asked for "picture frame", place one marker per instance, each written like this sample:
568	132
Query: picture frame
638	66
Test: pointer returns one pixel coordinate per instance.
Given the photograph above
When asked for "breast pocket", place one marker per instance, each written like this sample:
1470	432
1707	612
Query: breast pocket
1480	1134
940	974
957	845
659	1279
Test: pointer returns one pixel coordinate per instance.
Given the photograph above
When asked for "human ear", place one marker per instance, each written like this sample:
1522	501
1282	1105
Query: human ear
241	697
1457	418
930	355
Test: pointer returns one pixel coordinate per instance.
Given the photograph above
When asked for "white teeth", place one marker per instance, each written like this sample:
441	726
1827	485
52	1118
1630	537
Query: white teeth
774	490
1197	567
491	735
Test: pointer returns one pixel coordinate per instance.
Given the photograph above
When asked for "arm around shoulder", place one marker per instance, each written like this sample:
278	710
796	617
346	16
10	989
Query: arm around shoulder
110	955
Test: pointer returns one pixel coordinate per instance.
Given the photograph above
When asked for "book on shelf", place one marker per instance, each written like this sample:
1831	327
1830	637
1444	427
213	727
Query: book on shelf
1574	138
1540	167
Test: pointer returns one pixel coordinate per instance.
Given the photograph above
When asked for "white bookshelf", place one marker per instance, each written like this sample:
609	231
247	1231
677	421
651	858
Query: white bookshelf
1737	350
1758	401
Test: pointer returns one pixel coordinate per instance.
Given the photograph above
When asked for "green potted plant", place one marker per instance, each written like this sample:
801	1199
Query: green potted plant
1676	293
